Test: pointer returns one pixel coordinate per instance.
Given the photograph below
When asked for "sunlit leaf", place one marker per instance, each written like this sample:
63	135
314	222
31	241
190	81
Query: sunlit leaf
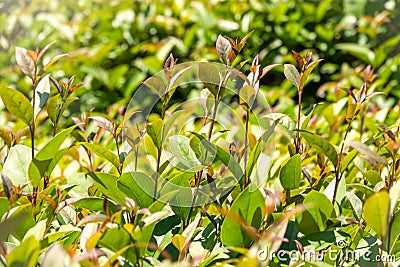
17	104
321	145
375	212
290	175
25	62
292	74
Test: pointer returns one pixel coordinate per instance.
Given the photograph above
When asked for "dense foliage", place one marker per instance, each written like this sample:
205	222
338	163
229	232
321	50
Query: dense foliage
149	134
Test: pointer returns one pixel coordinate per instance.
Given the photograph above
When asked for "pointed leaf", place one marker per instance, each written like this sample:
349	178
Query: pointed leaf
210	76
102	152
52	61
224	48
104	123
248	209
322	145
290	175
17	104
292	74
26	63
155	131
308	70
375	212
366	151
43	159
156	85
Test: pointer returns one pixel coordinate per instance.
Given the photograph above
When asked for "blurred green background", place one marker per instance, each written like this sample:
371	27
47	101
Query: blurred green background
115	44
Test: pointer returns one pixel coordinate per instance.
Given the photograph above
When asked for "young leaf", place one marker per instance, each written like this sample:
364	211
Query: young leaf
366	151
104	123
322	145
375	212
17	104
248	209
290	175
52	61
25	62
255	153
53	107
102	152
307	71
292	74
224	48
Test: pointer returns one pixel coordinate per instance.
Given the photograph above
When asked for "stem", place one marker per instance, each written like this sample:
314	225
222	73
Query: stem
157	174
338	174
245	178
119	155
297	141
199	174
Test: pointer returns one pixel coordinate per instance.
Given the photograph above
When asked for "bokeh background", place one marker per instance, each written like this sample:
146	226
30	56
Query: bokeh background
116	44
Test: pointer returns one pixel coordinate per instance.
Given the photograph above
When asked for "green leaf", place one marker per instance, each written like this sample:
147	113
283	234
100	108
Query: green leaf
223	156
155	131
107	184
322	145
137	186
375	212
308	71
290	175
249	206
247	95
372	176
319	210
43	159
17	164
156	85
10	225
210	76
17	104
42	94
292	74
356	204
255	153
359	51
181	150
26	254
102	152
52	107
367	152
